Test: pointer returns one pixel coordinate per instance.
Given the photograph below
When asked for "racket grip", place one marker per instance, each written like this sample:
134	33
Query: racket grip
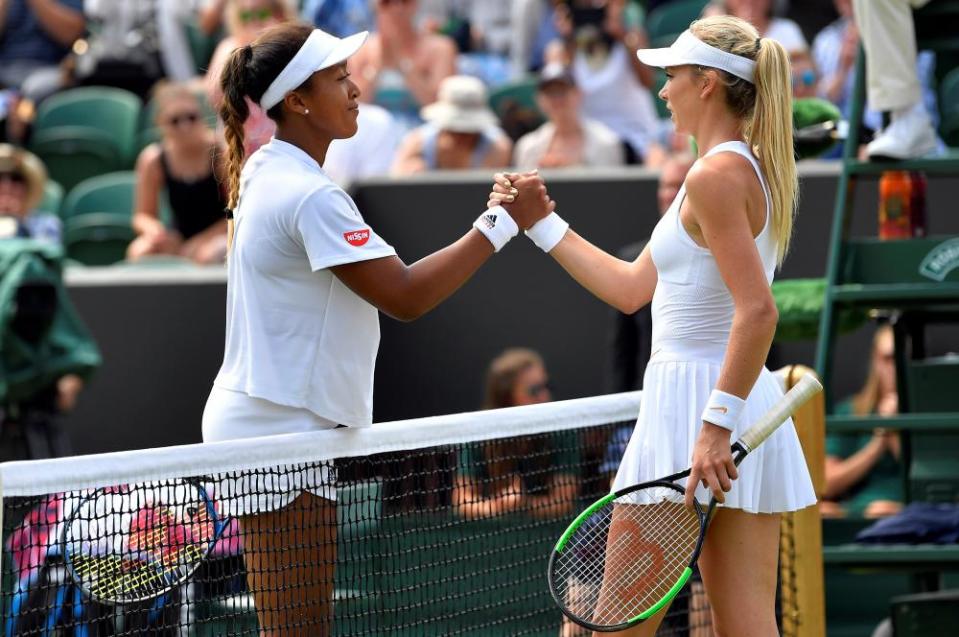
807	387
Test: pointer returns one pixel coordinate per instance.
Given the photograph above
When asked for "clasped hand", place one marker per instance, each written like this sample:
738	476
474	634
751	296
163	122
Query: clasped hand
523	195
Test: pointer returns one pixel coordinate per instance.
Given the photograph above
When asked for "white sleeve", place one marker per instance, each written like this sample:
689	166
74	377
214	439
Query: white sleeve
333	232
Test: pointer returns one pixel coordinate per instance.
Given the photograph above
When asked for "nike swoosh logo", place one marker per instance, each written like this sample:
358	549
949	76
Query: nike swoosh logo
720	409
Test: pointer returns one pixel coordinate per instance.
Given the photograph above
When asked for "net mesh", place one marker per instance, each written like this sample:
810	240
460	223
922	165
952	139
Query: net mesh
440	526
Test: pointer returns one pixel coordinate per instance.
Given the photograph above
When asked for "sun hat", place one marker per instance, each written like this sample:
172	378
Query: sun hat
320	51
461	106
688	49
18	160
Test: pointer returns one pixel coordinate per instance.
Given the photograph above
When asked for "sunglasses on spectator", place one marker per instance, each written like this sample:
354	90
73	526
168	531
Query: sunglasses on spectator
15	177
183	119
256	15
538	389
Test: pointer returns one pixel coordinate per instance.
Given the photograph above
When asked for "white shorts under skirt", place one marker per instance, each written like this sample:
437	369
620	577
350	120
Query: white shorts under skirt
773	478
230	415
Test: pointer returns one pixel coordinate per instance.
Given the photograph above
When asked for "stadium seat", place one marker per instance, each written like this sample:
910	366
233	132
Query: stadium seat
75	153
111	193
949	108
112	111
202	45
97	238
668	20
52	198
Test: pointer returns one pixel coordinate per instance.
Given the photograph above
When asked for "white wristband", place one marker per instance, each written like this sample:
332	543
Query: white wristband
723	409
497	226
548	231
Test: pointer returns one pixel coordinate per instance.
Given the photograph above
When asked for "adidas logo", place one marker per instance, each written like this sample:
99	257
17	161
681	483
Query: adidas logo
490	221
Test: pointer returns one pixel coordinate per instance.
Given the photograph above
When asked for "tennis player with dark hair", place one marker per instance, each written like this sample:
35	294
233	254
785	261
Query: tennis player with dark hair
707	271
306	276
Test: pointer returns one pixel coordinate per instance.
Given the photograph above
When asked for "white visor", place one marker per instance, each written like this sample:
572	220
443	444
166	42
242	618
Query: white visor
688	49
320	51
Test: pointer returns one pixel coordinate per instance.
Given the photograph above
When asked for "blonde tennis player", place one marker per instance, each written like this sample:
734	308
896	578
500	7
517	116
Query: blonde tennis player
707	271
306	276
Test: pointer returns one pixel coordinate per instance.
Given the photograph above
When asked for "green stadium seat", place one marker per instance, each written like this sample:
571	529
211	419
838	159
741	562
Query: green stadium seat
668	20
52	198
97	238
202	45
75	153
111	193
112	111
949	108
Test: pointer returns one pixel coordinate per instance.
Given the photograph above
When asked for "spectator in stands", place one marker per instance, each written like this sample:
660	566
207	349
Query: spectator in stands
834	54
892	83
762	16
863	474
599	41
401	67
187	163
246	20
340	17
567	138
460	132
35	36
370	152
132	45
504	476
22	181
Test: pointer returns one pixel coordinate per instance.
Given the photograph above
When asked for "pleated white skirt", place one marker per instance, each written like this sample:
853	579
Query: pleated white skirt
773	478
230	415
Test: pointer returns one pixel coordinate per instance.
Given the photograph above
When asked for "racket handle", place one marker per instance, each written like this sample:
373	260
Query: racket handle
807	387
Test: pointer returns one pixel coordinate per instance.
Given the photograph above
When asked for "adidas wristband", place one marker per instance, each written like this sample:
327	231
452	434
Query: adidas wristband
723	410
497	226
548	231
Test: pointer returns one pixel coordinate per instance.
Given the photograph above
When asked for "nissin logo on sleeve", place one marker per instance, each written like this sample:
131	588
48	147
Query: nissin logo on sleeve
357	238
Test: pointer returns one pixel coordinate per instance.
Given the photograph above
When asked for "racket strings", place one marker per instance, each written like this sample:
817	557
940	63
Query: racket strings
626	557
127	546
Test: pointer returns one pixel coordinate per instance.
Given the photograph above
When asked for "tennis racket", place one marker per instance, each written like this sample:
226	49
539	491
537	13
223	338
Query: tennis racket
130	544
630	553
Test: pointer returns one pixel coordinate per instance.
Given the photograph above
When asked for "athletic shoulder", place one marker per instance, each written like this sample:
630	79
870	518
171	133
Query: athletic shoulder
718	176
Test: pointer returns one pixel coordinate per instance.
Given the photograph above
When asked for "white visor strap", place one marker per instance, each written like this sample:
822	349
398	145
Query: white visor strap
688	49
307	61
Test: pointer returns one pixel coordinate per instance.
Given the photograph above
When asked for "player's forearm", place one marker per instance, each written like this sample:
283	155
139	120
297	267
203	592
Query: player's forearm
610	279
434	278
749	340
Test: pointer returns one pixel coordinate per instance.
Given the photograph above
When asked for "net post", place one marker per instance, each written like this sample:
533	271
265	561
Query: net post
801	567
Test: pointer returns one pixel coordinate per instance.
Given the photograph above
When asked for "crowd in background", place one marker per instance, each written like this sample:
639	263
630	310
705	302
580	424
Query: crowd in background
446	85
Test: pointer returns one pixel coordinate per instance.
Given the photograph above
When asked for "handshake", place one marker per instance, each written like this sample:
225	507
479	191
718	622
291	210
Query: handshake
528	206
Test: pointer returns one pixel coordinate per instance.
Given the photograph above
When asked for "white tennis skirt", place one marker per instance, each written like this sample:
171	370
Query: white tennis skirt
772	479
230	415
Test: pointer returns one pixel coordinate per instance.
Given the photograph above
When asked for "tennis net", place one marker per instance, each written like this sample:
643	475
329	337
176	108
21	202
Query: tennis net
443	526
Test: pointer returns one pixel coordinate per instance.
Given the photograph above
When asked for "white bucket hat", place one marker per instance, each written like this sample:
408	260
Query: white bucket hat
688	49
320	51
461	106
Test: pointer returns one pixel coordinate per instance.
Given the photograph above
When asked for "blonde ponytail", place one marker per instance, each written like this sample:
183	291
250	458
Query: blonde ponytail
766	108
771	135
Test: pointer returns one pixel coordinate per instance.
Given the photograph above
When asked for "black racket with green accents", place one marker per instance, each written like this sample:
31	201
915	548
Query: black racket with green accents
630	553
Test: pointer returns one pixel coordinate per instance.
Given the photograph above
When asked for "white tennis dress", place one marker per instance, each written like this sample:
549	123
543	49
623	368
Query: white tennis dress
692	316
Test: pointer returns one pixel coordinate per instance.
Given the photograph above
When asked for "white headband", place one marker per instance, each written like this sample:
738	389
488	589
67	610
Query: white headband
688	49
320	51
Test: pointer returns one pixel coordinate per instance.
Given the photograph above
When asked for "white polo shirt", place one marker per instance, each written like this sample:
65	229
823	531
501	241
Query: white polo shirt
296	335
